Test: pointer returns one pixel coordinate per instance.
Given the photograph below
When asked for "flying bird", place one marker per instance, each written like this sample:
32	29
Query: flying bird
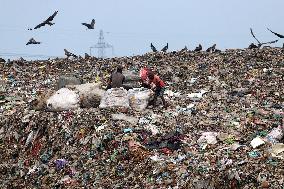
199	48
48	21
254	36
90	26
165	48
32	41
270	42
68	54
259	43
153	48
277	34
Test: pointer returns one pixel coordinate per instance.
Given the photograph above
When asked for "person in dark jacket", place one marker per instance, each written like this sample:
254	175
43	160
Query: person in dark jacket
116	79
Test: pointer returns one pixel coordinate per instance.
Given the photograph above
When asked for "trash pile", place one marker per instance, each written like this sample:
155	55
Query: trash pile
223	127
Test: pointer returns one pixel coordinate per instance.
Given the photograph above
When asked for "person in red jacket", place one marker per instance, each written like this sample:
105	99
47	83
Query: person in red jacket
144	77
158	86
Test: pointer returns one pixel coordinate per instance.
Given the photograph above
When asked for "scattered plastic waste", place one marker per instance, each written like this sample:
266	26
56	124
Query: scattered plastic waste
199	141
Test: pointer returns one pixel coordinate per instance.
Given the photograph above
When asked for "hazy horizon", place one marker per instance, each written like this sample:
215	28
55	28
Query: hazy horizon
131	26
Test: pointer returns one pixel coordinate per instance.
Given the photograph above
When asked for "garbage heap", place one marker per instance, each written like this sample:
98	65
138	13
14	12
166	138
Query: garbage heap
223	128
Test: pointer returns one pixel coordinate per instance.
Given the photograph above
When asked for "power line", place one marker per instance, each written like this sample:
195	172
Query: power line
101	46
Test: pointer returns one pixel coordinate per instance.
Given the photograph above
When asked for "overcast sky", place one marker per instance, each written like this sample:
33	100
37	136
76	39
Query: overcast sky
131	25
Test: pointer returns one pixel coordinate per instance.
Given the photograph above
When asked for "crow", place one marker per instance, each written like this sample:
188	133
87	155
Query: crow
199	48
259	43
87	56
153	48
68	54
2	60
211	49
165	48
90	26
48	21
32	41
184	49
277	34
252	46
270	42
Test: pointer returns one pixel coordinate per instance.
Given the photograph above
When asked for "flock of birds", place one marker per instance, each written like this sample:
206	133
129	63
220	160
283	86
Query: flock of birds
197	49
49	22
91	25
213	47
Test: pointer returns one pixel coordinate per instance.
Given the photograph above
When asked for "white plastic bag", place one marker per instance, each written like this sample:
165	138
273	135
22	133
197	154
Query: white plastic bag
139	98
256	142
276	134
115	97
63	99
208	138
90	94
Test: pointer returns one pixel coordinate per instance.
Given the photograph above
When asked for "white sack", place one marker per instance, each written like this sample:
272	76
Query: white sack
63	99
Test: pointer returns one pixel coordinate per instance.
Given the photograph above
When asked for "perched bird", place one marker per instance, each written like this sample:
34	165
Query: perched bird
68	54
48	21
22	59
252	46
211	49
2	60
199	48
153	48
87	56
184	49
277	34
32	41
217	51
165	48
90	26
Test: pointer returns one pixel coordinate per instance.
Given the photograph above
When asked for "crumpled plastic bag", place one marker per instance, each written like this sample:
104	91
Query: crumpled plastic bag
208	137
115	97
63	99
196	96
90	93
276	134
256	142
277	150
139	98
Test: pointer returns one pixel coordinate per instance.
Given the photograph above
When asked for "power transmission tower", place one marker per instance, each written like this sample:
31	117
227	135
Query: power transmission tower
101	46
